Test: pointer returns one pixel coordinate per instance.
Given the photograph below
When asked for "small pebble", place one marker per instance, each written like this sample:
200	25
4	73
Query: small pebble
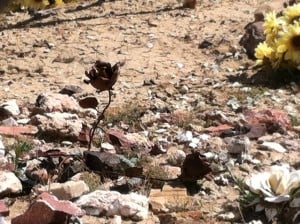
184	89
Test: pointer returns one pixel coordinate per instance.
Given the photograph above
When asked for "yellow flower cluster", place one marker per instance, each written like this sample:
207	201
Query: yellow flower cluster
282	45
41	4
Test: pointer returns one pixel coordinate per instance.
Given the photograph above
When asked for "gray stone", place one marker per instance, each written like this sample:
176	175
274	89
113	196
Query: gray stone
238	145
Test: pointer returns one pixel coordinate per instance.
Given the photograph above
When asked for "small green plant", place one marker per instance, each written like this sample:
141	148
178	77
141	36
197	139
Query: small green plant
21	147
92	180
247	198
294	121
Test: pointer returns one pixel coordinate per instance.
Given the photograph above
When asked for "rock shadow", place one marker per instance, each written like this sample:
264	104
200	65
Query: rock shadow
266	77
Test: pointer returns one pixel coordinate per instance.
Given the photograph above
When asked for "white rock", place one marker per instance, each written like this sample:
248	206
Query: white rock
66	191
12	107
185	137
255	222
194	143
23	121
2	148
108	147
116	220
204	137
227	216
112	203
210	155
10	184
273	146
2	220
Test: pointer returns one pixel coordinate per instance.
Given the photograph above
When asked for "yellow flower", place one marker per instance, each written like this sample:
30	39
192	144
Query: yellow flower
263	51
59	2
288	44
272	26
292	13
37	4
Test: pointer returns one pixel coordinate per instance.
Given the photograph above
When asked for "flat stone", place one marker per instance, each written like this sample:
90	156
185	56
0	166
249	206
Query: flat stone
18	130
166	198
65	191
272	146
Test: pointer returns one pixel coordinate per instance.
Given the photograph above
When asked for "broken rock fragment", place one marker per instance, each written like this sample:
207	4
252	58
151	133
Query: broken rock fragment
48	209
110	203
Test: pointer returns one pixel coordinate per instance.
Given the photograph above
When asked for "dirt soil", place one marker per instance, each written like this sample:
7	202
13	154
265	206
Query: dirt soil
187	55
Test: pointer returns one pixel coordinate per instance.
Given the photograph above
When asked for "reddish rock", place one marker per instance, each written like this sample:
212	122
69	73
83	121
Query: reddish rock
4	211
48	209
117	138
219	129
275	120
17	130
